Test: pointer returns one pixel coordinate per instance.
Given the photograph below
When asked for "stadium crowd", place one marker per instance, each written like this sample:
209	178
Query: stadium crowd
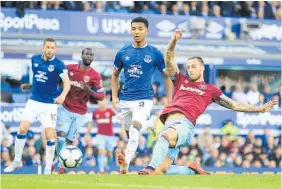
225	149
248	9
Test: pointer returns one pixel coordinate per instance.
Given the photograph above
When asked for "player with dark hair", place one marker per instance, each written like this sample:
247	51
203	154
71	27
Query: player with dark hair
47	70
191	98
106	141
139	61
85	82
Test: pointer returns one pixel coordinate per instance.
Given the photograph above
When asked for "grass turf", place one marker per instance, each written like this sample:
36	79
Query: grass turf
242	181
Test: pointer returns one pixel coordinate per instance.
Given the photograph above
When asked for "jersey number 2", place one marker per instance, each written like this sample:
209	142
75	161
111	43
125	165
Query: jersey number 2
141	104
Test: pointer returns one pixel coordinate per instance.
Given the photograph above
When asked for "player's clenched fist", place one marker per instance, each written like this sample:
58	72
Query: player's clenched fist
25	87
177	34
60	99
114	103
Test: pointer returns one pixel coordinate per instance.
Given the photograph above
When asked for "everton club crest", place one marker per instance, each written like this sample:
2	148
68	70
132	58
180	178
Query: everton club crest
148	59
51	68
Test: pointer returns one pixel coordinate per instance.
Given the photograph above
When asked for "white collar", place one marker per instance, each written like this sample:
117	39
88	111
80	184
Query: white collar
49	59
139	47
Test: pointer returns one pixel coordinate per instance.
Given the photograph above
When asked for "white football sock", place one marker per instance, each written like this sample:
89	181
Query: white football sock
132	143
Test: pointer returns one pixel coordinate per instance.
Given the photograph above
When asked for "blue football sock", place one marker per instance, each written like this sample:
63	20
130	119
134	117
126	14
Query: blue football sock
160	151
179	170
101	162
61	142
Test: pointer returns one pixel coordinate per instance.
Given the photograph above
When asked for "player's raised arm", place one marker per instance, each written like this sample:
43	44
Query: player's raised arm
171	66
243	107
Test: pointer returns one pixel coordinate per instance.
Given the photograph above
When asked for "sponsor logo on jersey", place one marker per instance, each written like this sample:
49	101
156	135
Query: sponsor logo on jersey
135	70
200	92
104	120
41	76
51	68
86	79
148	59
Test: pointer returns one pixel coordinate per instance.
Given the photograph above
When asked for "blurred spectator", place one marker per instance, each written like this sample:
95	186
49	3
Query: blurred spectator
246	164
194	8
276	156
277	99
216	141
73	5
278	14
253	94
239	95
174	10
230	129
204	10
86	6
224	145
216	11
186	9
205	139
98	7
248	10
250	138
163	9
267	93
213	157
261	100
274	8
5	134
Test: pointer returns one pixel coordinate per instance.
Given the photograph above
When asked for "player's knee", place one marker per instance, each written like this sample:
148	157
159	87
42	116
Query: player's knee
49	134
24	126
136	123
171	136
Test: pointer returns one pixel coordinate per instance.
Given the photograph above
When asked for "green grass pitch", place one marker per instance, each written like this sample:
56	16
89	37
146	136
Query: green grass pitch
243	181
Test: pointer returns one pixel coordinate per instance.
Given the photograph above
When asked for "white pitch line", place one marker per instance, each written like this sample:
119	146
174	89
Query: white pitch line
113	184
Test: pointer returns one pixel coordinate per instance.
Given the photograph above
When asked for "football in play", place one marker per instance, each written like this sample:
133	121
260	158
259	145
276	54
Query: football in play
70	156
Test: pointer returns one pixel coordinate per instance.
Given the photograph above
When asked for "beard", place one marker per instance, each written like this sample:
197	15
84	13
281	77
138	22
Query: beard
195	77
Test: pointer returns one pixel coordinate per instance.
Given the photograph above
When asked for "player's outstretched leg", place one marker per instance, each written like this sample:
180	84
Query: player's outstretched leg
190	169
50	149
160	151
19	146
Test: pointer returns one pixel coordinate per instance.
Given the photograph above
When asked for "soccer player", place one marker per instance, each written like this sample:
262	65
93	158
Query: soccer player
85	82
139	61
47	70
106	141
191	98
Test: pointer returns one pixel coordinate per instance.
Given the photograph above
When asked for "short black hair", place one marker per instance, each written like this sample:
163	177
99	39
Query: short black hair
85	50
49	40
142	20
198	58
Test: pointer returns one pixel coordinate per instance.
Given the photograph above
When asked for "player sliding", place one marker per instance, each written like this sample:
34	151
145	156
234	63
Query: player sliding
72	113
42	105
191	98
139	61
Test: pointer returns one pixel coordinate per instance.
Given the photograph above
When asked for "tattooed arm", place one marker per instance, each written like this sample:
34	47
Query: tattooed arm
171	66
243	107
